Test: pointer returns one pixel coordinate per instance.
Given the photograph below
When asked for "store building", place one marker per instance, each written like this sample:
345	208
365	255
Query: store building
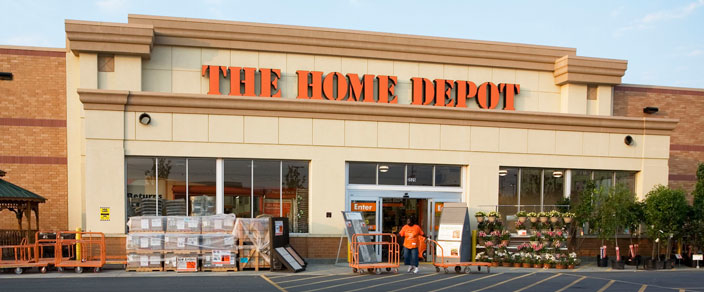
316	121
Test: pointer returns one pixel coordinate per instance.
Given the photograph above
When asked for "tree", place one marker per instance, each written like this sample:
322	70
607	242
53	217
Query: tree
665	214
613	212
696	222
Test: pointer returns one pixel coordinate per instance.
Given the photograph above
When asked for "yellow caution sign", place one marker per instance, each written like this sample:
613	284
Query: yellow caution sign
104	213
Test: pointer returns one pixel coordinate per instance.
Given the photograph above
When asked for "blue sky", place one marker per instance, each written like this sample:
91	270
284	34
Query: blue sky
663	41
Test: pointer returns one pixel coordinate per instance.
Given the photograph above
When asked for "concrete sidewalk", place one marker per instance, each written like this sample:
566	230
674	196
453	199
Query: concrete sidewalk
317	269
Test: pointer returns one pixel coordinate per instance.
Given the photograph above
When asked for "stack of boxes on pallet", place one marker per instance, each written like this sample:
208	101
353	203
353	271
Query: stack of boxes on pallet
192	243
145	243
182	243
254	246
218	243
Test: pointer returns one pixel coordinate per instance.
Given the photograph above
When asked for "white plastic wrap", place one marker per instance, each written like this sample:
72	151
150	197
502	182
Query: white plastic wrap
144	260
142	241
220	259
218	223
146	224
218	241
254	233
181	241
183	224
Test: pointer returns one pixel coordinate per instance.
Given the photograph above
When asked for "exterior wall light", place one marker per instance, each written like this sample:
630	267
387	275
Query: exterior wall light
650	110
628	140
383	168
145	119
503	172
5	76
557	173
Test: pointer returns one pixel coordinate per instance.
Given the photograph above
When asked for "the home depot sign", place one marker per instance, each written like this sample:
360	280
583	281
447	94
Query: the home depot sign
367	88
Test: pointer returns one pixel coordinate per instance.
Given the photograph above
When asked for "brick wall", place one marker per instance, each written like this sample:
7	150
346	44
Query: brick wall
319	247
33	127
686	142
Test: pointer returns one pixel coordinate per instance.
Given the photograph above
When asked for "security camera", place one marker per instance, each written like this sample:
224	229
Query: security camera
628	140
145	119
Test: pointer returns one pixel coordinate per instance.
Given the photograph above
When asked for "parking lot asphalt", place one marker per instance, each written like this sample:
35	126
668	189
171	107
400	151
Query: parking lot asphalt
340	278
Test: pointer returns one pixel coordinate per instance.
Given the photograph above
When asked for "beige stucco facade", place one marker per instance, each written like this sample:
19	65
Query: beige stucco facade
555	124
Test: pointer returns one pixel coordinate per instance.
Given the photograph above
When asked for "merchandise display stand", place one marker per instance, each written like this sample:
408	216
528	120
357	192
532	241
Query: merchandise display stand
283	254
454	233
355	224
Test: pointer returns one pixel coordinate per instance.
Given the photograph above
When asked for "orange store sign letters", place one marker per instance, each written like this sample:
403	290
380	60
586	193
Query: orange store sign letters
367	88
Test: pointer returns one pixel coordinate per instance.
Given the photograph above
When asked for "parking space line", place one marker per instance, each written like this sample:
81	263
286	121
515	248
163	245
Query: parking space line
537	283
572	284
324	281
503	282
466	282
642	288
273	284
425	283
308	278
606	286
354	282
392	282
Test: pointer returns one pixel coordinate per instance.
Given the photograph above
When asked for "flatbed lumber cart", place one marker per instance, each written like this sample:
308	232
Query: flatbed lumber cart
21	257
88	248
458	265
387	240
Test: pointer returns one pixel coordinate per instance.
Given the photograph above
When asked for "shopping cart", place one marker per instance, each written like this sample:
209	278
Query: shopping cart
388	241
88	248
458	265
21	257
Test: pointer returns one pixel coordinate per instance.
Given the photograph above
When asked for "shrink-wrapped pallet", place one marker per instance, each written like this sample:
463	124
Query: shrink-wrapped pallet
253	238
144	260
181	241
218	241
183	224
218	223
146	224
142	241
171	259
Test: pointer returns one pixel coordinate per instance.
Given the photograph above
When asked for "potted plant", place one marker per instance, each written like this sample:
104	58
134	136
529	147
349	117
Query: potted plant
495	261
481	237
525	248
543	216
521	216
535	237
533	217
517	261
567	217
492	216
560	261
527	261
480	216
612	213
548	261
505	237
507	261
554	216
665	213
489	246
521	225
547	238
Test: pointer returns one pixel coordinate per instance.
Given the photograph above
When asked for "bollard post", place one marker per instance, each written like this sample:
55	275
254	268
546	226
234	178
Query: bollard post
78	245
474	245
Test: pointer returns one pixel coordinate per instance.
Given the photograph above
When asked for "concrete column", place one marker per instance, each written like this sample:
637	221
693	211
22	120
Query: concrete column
573	99
604	98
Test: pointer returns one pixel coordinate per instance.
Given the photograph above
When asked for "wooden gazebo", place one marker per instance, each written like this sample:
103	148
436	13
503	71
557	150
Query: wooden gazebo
22	202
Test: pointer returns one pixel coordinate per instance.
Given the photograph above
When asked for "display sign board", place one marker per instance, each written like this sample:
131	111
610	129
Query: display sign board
450	248
287	259
104	213
454	234
283	252
698	257
187	264
450	232
355	224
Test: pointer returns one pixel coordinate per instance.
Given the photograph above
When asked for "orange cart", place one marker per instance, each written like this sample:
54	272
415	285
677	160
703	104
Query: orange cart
88	248
388	240
21	257
458	265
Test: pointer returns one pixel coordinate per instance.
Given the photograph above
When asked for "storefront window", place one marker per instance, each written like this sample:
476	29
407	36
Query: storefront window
603	178
267	195
362	173
553	188
580	179
201	186
627	179
141	186
172	185
419	175
391	173
295	194
238	187
508	191
530	189
448	176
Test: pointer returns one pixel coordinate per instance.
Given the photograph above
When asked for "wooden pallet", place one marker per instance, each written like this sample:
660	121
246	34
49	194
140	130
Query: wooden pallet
255	259
133	269
220	269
